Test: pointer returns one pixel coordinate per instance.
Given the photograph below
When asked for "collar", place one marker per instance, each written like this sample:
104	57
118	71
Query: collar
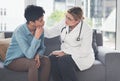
77	27
26	29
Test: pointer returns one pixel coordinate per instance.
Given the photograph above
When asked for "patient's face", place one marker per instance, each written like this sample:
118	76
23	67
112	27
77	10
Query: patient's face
40	22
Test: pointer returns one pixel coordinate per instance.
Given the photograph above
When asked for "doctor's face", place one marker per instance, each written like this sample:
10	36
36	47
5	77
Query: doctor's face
70	21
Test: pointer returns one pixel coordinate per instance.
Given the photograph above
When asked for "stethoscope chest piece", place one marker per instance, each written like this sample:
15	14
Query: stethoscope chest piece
78	39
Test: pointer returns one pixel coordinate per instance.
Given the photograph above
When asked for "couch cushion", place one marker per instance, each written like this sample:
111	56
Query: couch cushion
8	34
52	44
4	43
94	43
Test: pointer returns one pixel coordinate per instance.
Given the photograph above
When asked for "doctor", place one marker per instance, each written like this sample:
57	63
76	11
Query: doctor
76	52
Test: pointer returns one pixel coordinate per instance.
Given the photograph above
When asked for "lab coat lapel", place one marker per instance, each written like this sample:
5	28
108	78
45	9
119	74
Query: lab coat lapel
74	32
72	36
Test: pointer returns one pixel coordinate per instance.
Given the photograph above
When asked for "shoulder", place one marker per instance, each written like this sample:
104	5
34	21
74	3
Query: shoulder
87	27
21	28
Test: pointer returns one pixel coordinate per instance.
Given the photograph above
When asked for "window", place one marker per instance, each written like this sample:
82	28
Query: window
54	12
11	14
100	14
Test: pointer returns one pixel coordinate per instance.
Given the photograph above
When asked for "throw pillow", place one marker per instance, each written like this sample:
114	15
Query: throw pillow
4	43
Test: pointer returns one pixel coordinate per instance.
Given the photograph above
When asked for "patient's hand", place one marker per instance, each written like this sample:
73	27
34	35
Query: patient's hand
58	53
37	59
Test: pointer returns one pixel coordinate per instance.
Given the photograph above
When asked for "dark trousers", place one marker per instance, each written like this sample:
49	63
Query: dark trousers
63	68
34	73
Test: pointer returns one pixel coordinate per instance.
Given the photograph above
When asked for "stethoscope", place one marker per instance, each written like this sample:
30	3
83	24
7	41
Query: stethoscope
78	38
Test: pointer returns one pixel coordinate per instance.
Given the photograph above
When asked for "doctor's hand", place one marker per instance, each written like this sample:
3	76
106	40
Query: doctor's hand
58	53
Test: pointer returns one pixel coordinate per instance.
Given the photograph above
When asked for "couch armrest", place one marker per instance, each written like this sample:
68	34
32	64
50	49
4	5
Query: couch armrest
111	59
105	53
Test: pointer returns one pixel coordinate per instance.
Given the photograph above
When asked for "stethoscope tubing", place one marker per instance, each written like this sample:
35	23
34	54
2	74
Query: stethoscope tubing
78	38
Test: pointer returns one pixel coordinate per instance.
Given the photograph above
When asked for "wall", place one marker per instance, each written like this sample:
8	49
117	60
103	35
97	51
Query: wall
12	14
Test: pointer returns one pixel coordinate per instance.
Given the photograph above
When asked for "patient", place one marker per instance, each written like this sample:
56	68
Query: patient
26	49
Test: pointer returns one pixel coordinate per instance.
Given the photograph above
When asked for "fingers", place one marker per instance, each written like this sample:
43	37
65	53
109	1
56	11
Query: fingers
38	32
37	62
58	54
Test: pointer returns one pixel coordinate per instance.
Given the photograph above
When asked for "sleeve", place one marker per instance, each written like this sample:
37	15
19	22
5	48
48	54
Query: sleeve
41	49
28	49
54	31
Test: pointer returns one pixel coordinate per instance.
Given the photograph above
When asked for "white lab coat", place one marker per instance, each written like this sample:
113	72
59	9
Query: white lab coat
81	51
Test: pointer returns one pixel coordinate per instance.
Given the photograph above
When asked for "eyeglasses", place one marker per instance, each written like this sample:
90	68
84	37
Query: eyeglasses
70	19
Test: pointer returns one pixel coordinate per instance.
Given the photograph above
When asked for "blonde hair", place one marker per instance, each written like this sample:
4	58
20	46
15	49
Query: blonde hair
76	12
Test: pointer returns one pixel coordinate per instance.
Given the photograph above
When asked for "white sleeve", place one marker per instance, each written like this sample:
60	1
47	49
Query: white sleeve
54	31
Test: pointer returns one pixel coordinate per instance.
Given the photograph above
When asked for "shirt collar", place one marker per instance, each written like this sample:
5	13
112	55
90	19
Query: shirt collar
26	29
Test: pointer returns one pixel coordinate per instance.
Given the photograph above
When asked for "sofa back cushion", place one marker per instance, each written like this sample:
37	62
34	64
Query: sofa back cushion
97	41
94	43
52	44
99	38
8	34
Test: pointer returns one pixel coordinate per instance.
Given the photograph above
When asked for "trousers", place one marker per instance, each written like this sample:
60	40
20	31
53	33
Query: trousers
29	65
63	68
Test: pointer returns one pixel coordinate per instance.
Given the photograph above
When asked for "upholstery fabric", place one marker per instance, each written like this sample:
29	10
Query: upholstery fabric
51	46
4	43
94	43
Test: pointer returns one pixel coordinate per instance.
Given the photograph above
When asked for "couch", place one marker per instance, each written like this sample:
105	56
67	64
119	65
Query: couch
105	68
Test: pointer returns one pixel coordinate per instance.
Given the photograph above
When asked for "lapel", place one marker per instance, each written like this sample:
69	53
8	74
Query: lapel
75	31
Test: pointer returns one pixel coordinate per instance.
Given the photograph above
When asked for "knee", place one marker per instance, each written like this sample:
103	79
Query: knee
53	58
32	64
63	62
45	60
